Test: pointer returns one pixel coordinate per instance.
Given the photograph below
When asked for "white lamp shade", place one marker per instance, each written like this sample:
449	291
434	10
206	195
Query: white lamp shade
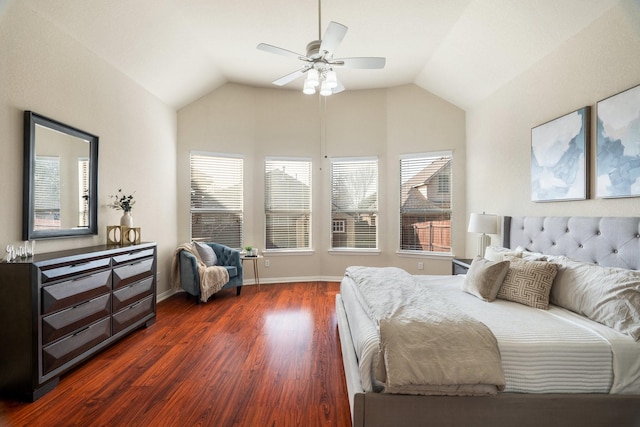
325	90
313	78
309	88
483	223
331	79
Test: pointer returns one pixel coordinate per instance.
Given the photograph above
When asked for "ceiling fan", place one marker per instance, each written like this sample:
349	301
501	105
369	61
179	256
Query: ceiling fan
319	62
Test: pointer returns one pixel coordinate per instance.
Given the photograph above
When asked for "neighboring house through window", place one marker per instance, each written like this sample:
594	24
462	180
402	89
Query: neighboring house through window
354	203
216	198
425	202
287	199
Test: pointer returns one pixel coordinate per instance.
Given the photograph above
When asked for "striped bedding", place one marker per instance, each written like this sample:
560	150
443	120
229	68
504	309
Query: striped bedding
542	351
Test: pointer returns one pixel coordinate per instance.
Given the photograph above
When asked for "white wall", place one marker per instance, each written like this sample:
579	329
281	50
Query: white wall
257	122
602	60
44	70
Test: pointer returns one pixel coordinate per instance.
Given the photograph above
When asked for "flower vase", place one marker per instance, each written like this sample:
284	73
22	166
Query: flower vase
126	219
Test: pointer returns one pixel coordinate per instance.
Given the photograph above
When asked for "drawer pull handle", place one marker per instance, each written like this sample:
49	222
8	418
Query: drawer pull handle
80	264
82	278
81	331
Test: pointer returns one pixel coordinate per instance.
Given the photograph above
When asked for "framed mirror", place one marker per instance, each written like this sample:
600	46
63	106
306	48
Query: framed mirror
60	193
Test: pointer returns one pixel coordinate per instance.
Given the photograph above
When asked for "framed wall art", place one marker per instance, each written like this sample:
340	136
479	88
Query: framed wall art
618	145
560	157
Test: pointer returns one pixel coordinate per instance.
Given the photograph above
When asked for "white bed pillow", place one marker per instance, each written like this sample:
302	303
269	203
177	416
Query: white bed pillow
207	255
606	295
528	282
484	278
531	256
496	253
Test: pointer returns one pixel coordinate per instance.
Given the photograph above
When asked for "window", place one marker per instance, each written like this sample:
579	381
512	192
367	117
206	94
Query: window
338	226
425	202
354	203
216	198
287	200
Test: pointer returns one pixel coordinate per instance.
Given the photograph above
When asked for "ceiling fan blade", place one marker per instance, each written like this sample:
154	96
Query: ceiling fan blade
332	37
365	62
290	77
280	51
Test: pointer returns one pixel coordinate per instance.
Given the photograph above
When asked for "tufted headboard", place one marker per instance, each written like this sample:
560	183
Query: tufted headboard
607	241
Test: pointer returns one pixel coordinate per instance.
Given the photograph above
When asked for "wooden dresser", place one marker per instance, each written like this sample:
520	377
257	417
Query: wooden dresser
57	309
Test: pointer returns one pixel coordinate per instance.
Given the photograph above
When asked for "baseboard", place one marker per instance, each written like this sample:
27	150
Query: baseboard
270	281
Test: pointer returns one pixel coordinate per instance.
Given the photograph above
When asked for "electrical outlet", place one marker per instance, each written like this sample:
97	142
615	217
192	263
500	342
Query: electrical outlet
421	265
267	263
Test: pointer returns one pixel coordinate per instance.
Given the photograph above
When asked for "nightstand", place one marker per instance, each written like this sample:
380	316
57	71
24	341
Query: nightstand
460	266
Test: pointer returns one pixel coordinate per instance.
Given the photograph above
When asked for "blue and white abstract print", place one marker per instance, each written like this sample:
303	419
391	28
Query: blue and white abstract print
618	145
558	158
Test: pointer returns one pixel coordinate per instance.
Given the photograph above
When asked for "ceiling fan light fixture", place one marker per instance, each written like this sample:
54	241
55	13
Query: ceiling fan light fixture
331	79
325	90
313	78
309	88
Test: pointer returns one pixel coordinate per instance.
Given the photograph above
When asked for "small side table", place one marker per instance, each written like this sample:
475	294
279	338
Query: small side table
256	276
460	265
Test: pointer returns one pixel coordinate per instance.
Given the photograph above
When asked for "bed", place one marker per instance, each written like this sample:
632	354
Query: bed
601	366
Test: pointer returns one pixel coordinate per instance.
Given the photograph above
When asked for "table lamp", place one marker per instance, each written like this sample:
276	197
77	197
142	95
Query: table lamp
485	224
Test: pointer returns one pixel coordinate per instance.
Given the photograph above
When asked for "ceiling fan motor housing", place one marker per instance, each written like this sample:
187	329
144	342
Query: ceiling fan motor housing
313	49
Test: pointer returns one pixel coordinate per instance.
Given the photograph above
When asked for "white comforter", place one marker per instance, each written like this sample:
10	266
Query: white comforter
427	345
542	351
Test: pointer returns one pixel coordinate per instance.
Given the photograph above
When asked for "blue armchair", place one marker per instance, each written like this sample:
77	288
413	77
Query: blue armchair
227	257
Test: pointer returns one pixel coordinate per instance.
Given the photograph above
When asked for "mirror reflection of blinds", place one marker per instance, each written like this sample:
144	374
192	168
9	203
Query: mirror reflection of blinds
425	202
83	192
287	203
217	198
47	193
354	203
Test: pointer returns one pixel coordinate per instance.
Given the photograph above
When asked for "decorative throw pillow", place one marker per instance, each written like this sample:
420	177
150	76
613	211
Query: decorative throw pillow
484	278
207	255
495	253
528	283
606	295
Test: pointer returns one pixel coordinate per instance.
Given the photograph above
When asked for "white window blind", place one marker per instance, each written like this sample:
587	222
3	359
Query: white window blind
354	203
425	202
216	199
47	193
287	198
83	192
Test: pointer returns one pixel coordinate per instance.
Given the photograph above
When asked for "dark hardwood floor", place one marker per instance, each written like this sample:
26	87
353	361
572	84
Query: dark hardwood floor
266	358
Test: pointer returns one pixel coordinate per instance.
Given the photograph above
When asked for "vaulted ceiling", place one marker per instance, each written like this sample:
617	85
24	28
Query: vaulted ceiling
460	50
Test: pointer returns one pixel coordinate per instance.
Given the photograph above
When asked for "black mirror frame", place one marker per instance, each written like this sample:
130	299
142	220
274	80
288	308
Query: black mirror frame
32	119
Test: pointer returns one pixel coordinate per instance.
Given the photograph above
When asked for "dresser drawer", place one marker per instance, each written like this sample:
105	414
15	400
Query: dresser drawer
72	292
55	272
132	256
132	293
65	322
128	274
66	349
132	314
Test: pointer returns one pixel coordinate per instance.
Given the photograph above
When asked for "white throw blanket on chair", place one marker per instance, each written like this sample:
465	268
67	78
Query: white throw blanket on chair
212	279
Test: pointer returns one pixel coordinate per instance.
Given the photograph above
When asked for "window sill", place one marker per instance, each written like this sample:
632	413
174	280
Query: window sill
424	254
357	252
287	252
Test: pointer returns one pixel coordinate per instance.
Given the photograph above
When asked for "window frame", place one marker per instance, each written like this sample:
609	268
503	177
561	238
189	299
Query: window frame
233	212
439	185
309	211
375	214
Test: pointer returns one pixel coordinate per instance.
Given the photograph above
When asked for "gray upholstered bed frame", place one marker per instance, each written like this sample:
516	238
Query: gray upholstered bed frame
606	241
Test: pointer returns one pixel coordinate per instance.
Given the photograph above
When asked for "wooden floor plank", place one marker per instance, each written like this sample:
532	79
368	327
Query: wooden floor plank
265	358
